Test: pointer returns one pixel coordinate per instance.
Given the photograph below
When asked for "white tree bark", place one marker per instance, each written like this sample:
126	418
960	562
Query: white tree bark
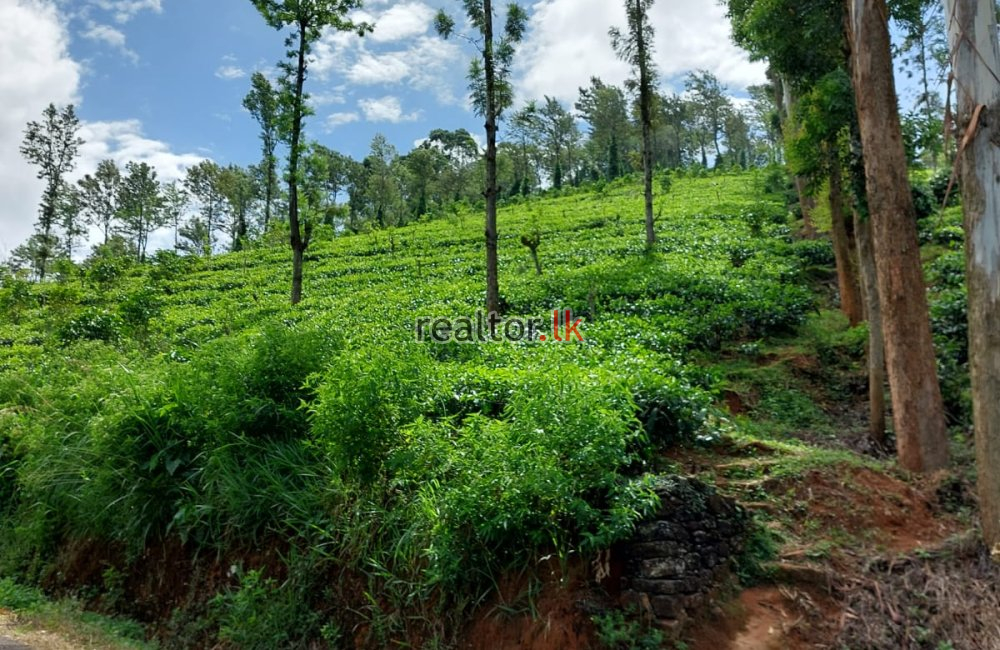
972	33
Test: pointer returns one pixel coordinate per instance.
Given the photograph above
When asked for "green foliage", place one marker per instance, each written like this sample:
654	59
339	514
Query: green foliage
618	630
420	469
19	597
366	396
92	324
761	547
925	203
263	614
814	252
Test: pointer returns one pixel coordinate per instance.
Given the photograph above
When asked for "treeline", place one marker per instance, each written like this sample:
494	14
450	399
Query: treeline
548	145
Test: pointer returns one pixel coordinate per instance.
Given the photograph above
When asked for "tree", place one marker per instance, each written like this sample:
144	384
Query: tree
194	237
69	211
766	119
635	47
802	40
175	203
554	127
203	184
918	412
382	188
711	105
237	186
604	108
462	152
736	130
308	20
328	174
35	253
492	94
823	117
139	206
51	145
424	164
262	103
925	49
527	160
99	195
976	62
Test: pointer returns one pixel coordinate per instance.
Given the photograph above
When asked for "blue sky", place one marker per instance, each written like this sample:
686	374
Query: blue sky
162	81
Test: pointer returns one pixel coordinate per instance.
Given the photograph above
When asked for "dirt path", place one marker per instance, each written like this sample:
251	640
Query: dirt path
15	637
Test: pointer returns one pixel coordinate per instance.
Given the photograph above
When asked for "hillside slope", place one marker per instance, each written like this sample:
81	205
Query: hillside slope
181	446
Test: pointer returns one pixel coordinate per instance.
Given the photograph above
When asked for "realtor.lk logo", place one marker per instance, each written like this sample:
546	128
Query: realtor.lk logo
493	328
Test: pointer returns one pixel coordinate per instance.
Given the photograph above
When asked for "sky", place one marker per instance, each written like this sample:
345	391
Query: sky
162	81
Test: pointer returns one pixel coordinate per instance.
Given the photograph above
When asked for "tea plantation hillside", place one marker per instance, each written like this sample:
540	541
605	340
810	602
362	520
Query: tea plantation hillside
181	446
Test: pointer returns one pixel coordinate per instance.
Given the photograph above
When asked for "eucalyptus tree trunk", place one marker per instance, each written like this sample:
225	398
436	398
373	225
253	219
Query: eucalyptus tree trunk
972	32
918	412
297	241
847	272
646	115
876	344
492	273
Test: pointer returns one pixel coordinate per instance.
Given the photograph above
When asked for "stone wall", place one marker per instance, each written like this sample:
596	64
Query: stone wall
680	556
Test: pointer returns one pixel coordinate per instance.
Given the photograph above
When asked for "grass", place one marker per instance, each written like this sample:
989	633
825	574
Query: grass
68	621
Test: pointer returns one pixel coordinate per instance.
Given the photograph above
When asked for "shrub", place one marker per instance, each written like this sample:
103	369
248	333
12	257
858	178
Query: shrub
364	398
924	202
92	324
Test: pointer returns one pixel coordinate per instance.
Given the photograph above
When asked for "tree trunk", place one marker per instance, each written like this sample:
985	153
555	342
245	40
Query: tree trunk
876	344
806	202
295	237
646	115
973	37
918	412
269	189
492	272
847	273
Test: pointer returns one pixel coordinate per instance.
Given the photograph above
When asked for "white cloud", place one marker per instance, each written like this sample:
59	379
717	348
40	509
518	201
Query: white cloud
369	69
568	43
33	35
108	35
230	72
340	119
123	141
402	21
399	52
386	109
126	10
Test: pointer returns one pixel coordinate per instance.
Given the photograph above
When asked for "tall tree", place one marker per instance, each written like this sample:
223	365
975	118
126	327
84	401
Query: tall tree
976	62
382	187
918	412
635	47
556	130
711	105
71	219
823	117
308	19
202	181
237	185
262	103
492	94
51	145
424	165
139	206
175	203
99	194
604	108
